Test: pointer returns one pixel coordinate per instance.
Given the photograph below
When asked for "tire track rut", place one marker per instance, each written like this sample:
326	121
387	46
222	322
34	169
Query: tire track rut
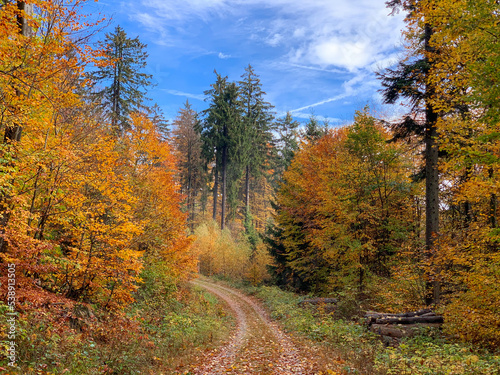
258	345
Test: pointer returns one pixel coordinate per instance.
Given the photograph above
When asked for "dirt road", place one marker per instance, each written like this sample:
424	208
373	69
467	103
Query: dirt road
258	346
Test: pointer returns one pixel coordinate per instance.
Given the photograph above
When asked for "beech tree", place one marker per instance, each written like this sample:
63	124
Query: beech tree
466	80
343	210
80	215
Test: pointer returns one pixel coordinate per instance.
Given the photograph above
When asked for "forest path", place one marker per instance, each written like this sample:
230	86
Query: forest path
258	345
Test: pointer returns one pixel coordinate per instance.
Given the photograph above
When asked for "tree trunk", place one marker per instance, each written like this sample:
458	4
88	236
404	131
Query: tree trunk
247	191
431	179
493	205
13	132
224	186
215	191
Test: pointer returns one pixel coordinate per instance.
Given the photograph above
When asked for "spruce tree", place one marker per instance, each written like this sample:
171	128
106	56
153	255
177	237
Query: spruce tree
410	81
313	130
121	86
285	145
221	135
188	145
257	126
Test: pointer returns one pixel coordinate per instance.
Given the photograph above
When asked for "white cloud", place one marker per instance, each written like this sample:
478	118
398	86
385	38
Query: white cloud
180	10
342	33
223	56
329	100
307	116
313	68
342	53
185	94
274	40
339	41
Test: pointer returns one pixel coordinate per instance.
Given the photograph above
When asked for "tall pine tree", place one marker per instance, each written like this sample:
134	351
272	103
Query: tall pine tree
410	80
285	146
121	85
257	127
221	136
188	145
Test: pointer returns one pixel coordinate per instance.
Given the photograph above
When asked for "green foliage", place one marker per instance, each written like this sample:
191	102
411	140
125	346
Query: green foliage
257	120
120	83
359	351
222	136
425	355
314	130
285	147
251	234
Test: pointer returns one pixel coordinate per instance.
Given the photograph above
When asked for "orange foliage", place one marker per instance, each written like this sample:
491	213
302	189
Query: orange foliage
79	207
345	208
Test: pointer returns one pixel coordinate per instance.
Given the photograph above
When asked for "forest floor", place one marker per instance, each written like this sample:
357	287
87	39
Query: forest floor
258	345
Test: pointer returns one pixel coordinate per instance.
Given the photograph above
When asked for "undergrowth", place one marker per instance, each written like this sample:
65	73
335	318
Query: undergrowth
354	350
157	335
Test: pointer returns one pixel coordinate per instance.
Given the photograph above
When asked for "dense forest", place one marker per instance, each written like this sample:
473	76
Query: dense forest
107	210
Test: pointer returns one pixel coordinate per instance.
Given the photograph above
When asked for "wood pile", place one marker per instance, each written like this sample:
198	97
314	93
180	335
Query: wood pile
393	327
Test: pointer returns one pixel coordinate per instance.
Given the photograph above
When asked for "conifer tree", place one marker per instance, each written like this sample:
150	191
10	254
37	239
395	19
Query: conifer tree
120	83
285	145
313	130
188	145
221	136
257	125
410	80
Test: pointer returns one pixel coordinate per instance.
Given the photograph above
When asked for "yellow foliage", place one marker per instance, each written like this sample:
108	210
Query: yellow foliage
220	253
257	271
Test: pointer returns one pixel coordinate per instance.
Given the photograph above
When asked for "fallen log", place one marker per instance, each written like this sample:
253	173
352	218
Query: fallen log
377	315
411	320
399	331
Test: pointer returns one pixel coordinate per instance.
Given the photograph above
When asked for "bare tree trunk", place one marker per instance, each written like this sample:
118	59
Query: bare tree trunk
215	192
247	191
224	187
431	179
493	205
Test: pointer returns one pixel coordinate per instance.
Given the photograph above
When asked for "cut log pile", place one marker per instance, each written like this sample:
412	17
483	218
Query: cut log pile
393	327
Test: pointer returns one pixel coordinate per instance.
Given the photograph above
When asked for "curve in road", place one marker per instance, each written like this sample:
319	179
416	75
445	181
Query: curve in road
258	345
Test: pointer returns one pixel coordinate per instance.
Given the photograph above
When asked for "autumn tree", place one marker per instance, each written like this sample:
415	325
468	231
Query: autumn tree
82	213
465	81
343	210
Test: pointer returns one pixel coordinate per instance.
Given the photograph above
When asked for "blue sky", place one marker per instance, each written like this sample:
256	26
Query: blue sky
312	56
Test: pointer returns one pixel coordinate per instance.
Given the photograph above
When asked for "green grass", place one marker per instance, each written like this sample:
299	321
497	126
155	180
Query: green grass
355	350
